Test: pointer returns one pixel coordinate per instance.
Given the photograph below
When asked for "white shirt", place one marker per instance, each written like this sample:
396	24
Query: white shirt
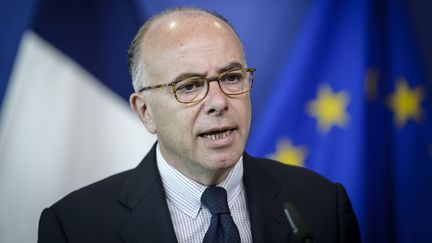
191	219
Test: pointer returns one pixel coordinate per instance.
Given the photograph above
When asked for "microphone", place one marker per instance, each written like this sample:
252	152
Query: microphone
297	224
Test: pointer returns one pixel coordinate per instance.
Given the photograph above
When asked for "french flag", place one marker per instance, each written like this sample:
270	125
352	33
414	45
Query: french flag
65	121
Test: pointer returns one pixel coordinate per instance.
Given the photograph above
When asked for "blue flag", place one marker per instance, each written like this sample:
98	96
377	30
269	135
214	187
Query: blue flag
353	104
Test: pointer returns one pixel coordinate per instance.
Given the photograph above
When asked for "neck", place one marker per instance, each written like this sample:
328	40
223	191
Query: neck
197	172
201	175
211	178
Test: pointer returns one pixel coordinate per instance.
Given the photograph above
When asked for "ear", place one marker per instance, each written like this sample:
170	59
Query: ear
139	104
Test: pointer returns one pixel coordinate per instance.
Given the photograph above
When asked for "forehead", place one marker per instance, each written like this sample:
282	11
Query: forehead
180	25
197	42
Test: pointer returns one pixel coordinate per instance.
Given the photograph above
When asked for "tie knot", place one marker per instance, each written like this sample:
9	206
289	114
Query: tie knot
215	199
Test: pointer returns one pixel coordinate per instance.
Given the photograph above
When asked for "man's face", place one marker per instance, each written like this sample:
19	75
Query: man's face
202	47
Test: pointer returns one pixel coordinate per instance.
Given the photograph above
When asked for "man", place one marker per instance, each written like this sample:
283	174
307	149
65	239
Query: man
192	90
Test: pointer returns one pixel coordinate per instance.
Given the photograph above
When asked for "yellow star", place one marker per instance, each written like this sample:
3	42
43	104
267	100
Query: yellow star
406	103
329	108
289	154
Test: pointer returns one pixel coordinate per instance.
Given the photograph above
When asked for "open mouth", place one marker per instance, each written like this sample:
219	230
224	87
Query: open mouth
217	134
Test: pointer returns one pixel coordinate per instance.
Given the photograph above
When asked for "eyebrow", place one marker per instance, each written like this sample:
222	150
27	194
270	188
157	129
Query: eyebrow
187	75
229	67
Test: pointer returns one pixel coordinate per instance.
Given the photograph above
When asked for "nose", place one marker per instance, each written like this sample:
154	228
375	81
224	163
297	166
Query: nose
216	101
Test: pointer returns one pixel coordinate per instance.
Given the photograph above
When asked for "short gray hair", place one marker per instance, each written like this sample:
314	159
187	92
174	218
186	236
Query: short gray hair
137	68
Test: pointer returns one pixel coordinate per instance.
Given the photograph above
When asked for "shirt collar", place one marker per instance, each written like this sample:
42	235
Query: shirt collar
185	193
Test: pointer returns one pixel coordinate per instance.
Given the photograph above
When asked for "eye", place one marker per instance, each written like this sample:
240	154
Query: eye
233	77
190	85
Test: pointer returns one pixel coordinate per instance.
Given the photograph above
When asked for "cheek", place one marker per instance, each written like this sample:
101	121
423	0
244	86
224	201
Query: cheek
164	115
177	122
246	110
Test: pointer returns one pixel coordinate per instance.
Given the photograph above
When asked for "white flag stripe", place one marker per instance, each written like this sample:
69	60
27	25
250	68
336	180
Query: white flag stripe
60	130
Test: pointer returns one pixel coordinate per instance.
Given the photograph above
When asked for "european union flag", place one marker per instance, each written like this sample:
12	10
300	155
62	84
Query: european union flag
353	104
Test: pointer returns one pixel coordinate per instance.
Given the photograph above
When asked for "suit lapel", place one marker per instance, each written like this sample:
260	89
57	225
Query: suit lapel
149	219
265	208
143	194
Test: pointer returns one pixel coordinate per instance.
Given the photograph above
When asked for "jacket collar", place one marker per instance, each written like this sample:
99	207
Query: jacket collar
268	223
149	219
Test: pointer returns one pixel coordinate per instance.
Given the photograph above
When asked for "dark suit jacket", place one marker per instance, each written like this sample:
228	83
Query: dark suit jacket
131	207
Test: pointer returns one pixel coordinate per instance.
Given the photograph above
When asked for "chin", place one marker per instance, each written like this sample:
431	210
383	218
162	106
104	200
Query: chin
222	160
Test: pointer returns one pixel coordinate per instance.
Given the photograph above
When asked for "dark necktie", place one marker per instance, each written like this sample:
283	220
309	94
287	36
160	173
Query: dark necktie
222	227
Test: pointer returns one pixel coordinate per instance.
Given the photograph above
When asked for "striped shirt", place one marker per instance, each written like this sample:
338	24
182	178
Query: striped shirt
191	219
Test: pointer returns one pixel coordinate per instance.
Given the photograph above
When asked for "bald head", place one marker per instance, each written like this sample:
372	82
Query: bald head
172	30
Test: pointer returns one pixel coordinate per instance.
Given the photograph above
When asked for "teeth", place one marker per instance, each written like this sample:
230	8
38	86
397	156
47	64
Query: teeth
217	136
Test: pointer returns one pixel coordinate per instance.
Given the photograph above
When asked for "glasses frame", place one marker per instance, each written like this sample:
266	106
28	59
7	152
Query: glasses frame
211	79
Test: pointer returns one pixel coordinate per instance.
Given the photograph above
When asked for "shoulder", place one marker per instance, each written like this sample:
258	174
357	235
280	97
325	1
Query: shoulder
85	212
108	191
92	196
286	174
324	205
298	183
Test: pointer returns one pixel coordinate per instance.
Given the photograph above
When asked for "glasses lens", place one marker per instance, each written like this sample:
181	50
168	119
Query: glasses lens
191	89
235	82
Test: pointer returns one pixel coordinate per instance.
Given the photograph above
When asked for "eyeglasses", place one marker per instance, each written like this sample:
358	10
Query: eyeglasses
195	89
